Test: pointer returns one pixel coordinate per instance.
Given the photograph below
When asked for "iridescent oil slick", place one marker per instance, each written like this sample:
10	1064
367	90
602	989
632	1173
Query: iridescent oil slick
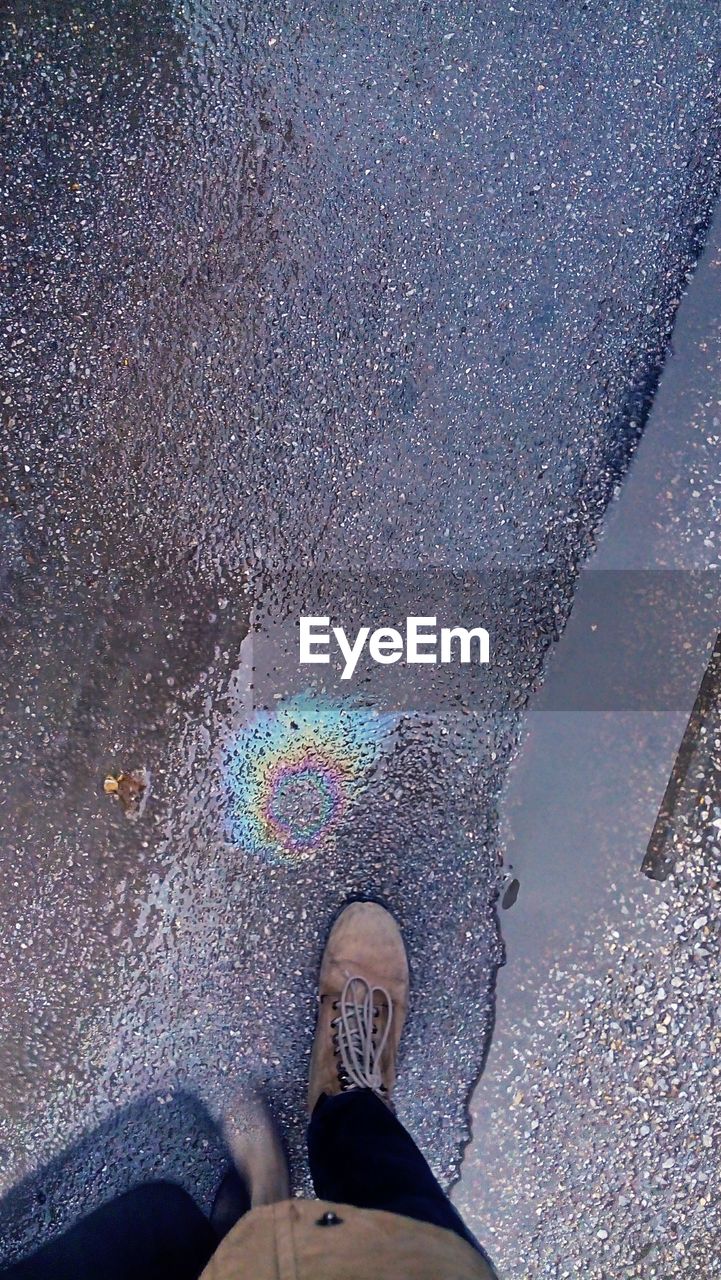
293	773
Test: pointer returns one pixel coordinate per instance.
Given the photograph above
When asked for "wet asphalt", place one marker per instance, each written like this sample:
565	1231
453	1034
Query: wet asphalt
600	1082
291	290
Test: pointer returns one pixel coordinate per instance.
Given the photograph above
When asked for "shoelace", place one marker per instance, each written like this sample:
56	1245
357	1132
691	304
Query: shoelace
354	1041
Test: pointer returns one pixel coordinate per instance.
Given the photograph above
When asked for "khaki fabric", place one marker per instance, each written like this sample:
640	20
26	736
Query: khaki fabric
284	1242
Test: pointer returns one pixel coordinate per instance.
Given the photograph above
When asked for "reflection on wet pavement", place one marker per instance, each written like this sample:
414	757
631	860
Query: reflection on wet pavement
604	1058
293	292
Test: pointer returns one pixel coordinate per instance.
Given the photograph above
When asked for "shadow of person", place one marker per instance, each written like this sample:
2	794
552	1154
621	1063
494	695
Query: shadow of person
129	1199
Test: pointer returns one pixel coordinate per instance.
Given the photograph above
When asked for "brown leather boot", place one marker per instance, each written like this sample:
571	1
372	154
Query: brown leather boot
363	1000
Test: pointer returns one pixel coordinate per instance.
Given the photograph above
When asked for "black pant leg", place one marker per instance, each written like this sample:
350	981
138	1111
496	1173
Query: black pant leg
360	1154
155	1232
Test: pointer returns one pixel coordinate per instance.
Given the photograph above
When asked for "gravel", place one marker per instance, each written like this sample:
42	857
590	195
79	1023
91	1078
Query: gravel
293	289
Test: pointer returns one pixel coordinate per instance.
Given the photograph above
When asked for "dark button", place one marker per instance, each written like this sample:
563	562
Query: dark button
329	1219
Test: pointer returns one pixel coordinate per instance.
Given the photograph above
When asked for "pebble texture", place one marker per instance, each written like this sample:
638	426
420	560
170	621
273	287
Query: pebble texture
616	1089
292	288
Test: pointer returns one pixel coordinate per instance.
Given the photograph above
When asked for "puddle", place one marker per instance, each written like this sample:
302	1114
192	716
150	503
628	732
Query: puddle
580	808
288	303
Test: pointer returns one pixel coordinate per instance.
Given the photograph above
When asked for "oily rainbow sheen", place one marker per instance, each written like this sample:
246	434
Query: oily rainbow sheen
292	774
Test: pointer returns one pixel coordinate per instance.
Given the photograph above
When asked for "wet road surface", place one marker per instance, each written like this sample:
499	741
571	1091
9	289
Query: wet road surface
600	1081
331	288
